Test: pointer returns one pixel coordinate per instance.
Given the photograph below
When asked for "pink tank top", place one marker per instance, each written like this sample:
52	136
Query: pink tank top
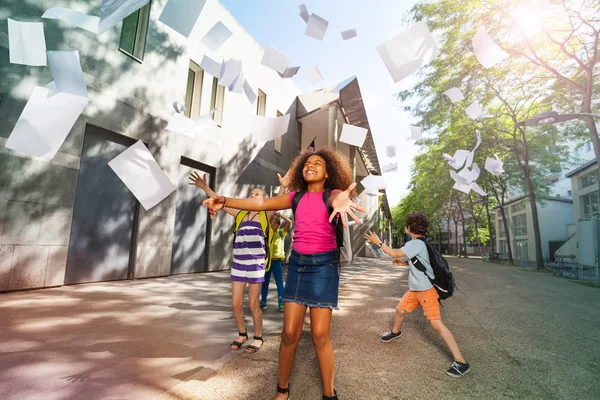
313	233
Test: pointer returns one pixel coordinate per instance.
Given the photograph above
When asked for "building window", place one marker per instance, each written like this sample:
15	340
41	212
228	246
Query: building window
518	207
591	206
193	91
502	249
588	180
569	193
261	104
217	100
277	142
520	224
134	32
522	250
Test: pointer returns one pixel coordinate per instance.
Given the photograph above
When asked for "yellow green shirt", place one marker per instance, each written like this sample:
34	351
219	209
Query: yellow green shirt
277	245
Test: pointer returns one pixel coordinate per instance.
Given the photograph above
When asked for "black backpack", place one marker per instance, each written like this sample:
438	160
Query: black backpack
443	280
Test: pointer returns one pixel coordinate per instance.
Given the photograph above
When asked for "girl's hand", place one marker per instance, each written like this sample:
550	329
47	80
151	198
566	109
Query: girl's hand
372	237
214	204
400	263
286	180
196	180
342	204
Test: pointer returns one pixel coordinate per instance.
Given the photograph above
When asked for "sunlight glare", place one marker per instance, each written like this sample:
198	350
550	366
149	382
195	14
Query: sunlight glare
528	19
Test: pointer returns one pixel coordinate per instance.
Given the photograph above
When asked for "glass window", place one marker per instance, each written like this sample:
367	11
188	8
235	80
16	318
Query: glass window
189	92
277	142
520	224
193	91
261	104
217	100
587	180
134	32
522	250
518	207
591	205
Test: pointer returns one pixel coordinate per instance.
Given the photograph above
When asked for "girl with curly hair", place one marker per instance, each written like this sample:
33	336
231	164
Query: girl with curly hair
313	273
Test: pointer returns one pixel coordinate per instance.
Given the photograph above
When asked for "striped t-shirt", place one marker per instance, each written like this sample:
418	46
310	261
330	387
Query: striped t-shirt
249	253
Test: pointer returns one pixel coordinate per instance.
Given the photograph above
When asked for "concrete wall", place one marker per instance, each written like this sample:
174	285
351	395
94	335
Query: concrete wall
133	99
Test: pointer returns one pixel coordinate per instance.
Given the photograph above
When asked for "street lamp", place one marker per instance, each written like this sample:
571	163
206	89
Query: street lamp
552	117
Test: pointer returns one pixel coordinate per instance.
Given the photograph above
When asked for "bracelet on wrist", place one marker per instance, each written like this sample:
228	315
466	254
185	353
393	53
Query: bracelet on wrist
380	245
224	201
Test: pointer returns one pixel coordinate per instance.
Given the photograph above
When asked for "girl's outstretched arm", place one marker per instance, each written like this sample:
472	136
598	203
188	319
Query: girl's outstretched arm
214	204
200	181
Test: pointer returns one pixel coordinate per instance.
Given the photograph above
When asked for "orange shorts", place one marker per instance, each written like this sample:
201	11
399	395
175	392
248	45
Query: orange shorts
428	299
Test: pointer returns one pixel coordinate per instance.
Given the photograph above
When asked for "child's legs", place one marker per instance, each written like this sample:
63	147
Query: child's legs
265	286
407	303
445	333
237	303
293	320
277	268
400	314
253	295
320	322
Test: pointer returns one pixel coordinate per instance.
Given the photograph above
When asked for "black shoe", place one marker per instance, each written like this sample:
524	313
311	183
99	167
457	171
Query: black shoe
334	397
389	336
458	369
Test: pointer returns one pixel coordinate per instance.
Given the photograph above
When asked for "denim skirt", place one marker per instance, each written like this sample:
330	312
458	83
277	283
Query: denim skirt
313	279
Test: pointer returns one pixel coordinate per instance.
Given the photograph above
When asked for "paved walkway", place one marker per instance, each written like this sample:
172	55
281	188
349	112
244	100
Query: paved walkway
526	334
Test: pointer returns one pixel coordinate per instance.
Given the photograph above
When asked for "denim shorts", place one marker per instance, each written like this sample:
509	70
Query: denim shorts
313	280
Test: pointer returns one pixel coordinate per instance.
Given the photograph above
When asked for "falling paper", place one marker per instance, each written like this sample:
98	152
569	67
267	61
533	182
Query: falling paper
469	175
249	92
75	18
114	11
392	167
374	183
457	178
349	34
408	51
415	132
462	187
217	35
231	70
313	75
275	59
478	189
353	135
494	166
189	128
460	156
316	27
45	122
487	52
304	12
67	73
454	94
140	172
238	84
474	110
181	15
26	43
267	128
290	72
390	150
210	66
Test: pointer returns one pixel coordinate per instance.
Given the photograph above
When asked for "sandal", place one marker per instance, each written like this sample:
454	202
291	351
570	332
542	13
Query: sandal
237	344
284	391
334	397
250	349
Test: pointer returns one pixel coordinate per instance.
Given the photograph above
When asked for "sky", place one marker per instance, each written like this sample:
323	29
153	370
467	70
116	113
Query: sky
278	23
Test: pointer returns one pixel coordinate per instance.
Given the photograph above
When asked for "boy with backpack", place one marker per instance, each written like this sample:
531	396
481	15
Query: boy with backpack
425	287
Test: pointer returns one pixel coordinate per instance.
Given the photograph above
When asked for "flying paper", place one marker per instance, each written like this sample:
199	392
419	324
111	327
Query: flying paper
349	34
392	167
469	175
267	128
45	122
474	110
390	150
26	43
238	84
487	52
189	128
415	132
140	172
181	15
463	157
454	94
478	189
374	183
494	166
211	67
466	188
275	59
67	73
313	75
230	71
290	72
75	18
304	12
217	35
249	92
353	135
408	51
114	11
316	27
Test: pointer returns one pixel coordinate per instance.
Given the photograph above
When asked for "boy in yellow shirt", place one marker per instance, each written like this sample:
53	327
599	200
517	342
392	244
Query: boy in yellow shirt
277	257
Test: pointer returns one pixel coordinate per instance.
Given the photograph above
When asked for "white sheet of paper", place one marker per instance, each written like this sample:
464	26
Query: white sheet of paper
238	84
349	34
392	167
181	15
458	160
67	73
353	135
316	27
304	12
142	175
374	183
230	71
114	11
474	110
184	126
470	175
415	132
75	18
210	66
313	75
457	178
465	188
494	166
454	94
477	189
390	150
487	52
290	72
408	51
249	92
217	35
26	43
45	122
267	128
275	59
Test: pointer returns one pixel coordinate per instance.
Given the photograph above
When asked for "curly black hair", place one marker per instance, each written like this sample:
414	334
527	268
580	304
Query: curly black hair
337	166
417	223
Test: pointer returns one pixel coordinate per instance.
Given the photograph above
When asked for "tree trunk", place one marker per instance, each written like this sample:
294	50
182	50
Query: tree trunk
455	236
491	233
589	121
462	222
536	224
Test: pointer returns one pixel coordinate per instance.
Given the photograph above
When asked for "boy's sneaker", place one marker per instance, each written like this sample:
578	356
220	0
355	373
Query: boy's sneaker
389	336
458	369
280	307
263	305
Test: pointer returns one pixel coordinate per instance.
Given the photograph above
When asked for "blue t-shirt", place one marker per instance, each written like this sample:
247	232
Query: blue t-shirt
417	281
